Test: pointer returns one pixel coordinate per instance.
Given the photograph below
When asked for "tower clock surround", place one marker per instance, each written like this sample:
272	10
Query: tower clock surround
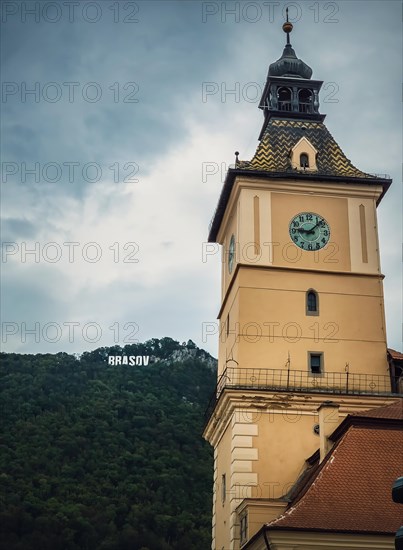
309	231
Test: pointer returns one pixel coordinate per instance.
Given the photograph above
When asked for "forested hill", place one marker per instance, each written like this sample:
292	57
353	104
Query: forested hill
97	456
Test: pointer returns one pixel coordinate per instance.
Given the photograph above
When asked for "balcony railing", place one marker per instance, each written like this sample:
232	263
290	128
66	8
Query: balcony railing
305	107
284	106
345	383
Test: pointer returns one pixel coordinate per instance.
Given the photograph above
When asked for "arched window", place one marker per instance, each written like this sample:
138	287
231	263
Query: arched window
284	99
305	101
312	302
304	160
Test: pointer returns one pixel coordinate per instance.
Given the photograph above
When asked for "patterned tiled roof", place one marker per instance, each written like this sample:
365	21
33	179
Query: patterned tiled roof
280	136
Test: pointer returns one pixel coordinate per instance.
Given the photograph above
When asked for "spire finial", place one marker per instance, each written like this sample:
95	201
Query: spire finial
287	27
236	158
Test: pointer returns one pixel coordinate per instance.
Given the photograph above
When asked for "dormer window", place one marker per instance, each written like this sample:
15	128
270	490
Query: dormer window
304	160
303	156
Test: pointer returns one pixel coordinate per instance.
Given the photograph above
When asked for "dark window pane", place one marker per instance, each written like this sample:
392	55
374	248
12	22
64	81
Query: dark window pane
312	301
304	160
315	363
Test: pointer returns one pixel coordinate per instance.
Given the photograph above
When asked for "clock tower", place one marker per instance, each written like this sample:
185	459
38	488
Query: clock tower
302	327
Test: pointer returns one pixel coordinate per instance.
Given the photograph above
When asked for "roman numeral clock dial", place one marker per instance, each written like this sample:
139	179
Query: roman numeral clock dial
309	231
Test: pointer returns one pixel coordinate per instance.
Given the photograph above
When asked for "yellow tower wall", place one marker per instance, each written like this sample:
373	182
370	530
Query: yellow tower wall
262	428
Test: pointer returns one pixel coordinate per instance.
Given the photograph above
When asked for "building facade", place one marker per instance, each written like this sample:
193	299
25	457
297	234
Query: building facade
302	309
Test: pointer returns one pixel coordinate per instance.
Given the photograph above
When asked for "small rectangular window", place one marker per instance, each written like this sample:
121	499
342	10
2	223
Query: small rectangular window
315	362
227	324
223	487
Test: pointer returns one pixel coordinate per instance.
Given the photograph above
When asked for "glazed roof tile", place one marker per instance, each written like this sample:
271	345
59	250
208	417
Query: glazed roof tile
281	135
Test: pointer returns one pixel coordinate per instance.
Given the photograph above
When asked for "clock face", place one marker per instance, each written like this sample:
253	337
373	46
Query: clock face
309	231
231	254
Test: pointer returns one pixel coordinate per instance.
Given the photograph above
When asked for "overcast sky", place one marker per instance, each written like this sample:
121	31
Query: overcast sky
100	94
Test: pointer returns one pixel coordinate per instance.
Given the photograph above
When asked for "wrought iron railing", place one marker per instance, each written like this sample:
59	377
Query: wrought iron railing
383	176
346	383
284	106
305	107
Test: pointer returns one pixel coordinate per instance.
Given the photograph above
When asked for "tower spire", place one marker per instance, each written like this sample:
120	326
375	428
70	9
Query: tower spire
289	65
287	28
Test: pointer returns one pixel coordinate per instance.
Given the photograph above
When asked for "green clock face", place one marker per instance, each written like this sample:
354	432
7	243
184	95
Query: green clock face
231	254
309	231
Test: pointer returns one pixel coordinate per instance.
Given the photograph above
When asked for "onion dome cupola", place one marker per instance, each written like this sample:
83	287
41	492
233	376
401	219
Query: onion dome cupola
289	91
289	64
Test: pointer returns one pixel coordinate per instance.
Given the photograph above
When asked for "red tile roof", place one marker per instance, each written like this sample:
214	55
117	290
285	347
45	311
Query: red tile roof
393	411
395	354
352	488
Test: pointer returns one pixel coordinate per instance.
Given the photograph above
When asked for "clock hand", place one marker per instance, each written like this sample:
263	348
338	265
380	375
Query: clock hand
301	230
317	223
